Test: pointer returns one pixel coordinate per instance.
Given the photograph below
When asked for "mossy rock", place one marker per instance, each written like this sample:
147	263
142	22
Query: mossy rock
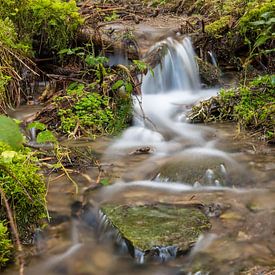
146	227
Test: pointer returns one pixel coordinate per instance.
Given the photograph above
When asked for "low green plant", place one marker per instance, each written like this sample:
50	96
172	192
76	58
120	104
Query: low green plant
6	247
24	188
251	105
84	110
44	134
112	17
256	108
94	107
52	23
87	110
257	27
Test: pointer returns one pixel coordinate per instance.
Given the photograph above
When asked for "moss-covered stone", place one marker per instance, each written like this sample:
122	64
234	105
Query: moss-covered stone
148	226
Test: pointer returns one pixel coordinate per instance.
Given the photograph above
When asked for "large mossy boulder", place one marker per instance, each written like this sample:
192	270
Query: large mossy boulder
150	227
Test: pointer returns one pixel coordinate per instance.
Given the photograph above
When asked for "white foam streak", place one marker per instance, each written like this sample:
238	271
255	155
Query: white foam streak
171	187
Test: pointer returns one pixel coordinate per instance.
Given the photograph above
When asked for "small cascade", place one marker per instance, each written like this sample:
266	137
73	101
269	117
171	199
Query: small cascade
107	232
213	58
168	93
177	70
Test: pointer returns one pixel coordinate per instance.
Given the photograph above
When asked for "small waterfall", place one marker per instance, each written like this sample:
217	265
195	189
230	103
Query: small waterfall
213	58
177	70
168	93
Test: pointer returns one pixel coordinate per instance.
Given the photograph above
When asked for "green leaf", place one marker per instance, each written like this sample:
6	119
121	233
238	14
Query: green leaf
258	23
37	125
118	84
70	52
56	165
266	14
271	21
72	86
128	87
261	40
7	156
104	182
45	136
63	51
10	133
90	60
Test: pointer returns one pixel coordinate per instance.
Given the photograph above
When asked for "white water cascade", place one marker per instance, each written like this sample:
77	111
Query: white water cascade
162	128
168	93
177	70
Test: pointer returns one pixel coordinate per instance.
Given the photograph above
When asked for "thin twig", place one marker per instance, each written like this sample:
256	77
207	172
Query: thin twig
14	232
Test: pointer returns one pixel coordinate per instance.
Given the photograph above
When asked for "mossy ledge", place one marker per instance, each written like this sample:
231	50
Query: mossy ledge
251	105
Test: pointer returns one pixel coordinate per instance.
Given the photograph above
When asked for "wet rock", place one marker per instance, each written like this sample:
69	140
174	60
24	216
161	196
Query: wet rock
215	209
210	75
161	231
204	167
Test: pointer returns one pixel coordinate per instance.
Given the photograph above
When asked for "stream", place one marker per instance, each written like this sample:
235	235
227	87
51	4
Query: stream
163	160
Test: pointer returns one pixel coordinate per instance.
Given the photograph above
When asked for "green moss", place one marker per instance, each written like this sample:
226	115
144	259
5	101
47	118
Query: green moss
234	7
24	188
91	112
52	23
254	12
251	105
5	245
256	108
217	27
147	226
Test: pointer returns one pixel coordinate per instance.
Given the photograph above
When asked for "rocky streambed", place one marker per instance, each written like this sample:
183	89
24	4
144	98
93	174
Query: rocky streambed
217	229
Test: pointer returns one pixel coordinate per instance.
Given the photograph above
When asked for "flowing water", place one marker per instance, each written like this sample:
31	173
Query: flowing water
163	158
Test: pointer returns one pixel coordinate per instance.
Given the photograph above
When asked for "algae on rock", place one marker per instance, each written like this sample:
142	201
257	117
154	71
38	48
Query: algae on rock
157	225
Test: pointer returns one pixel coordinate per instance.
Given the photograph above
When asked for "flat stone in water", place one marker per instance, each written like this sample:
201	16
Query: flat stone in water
159	225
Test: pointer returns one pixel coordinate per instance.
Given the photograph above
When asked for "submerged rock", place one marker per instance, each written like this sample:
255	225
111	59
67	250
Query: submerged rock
160	230
204	167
